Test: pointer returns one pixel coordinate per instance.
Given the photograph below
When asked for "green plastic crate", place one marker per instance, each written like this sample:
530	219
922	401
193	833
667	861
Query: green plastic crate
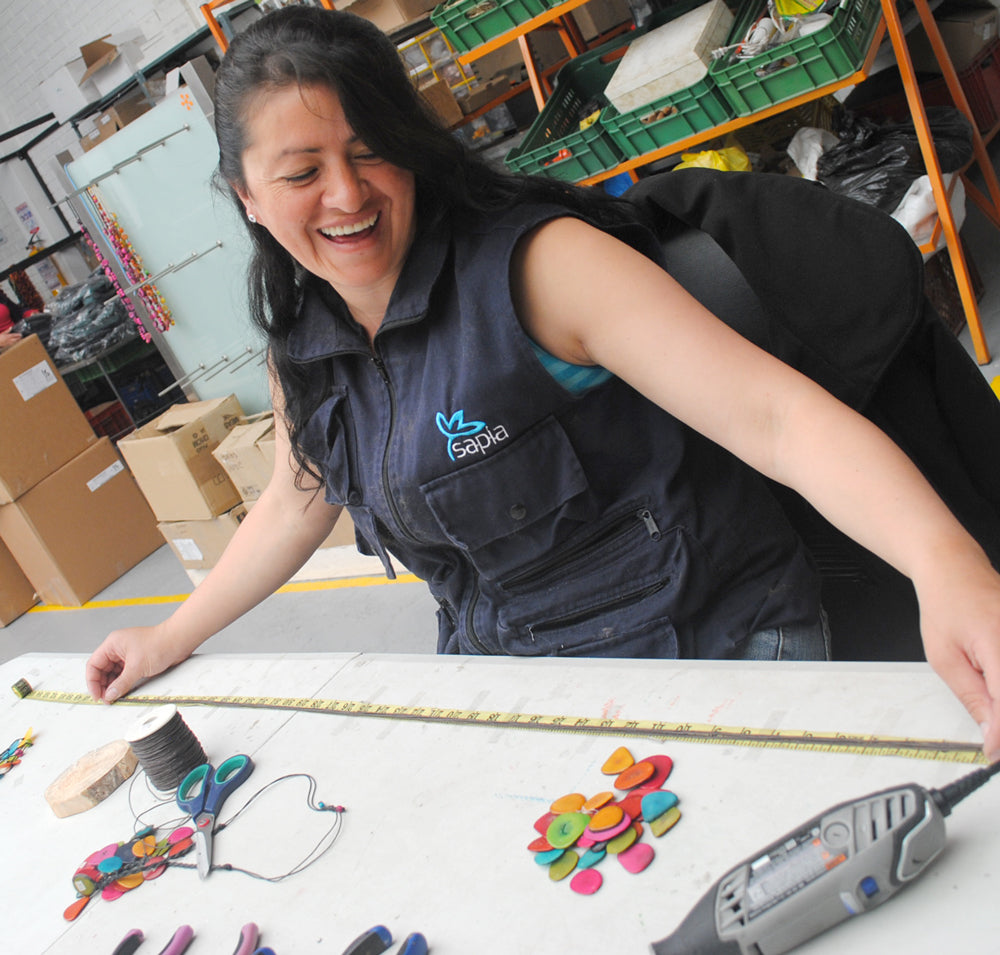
555	146
692	110
470	23
828	55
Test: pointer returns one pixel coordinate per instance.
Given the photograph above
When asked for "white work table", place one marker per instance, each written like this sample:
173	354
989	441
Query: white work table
439	816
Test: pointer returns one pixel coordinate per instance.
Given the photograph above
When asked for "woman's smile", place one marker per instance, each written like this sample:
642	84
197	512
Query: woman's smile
340	211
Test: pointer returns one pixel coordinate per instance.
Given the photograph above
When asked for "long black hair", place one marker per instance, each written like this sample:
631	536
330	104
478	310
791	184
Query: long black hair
311	47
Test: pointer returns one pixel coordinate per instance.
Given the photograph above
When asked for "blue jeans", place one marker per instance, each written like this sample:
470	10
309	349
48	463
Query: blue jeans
788	643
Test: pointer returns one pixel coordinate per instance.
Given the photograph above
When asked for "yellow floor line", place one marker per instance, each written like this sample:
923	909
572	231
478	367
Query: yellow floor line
297	587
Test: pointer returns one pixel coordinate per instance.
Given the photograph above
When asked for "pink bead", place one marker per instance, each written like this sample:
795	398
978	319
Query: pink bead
636	857
586	881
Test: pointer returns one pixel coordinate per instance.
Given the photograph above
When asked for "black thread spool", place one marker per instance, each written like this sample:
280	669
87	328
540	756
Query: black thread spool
166	747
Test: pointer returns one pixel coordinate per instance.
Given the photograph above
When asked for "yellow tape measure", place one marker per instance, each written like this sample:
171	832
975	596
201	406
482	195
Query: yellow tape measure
866	745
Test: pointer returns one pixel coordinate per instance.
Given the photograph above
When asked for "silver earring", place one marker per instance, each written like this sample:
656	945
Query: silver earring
252	218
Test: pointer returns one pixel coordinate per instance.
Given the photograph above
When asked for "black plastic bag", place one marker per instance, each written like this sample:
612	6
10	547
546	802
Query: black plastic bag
876	163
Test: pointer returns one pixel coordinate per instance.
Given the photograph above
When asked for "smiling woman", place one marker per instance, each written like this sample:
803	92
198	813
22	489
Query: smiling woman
343	213
500	381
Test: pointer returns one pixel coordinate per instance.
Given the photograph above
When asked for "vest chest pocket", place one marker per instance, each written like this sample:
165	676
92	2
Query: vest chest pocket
515	505
327	439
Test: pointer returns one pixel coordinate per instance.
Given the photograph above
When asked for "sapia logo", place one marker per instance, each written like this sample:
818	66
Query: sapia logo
468	437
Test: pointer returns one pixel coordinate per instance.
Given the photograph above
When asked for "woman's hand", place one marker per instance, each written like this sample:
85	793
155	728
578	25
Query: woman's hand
644	328
9	338
127	658
960	623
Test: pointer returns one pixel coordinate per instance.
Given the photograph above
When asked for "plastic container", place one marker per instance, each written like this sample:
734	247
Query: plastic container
470	23
800	65
555	145
668	120
980	83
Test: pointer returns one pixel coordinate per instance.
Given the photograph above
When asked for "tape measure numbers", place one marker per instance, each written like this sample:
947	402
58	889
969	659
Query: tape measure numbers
867	745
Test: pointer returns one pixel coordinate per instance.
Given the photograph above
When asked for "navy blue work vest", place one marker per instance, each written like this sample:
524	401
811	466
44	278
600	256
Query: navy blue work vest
544	523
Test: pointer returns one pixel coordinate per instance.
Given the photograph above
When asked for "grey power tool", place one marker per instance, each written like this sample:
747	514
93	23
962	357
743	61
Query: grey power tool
843	862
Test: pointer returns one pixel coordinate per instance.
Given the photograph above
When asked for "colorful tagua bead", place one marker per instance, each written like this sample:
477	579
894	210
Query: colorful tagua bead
579	832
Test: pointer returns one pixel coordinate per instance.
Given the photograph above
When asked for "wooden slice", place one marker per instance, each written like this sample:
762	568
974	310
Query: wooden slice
91	779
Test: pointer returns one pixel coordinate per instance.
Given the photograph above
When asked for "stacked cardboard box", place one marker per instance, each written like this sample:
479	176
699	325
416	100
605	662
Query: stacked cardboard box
16	592
70	513
247	455
197	505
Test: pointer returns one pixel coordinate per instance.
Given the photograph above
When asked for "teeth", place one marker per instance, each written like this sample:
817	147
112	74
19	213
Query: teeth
342	230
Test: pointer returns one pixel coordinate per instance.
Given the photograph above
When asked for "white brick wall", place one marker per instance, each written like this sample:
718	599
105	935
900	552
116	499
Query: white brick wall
38	36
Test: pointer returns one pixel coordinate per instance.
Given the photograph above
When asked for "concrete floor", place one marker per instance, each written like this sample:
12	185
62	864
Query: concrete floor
395	617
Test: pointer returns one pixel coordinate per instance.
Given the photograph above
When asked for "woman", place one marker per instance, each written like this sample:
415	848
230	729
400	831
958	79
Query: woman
525	409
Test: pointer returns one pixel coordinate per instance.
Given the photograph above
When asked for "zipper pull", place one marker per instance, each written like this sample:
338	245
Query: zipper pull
652	528
380	367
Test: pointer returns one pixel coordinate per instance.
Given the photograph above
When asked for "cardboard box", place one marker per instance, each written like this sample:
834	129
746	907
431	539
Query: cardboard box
484	93
116	117
388	15
110	62
669	58
103	127
41	425
441	99
126	110
171	458
199	544
342	535
16	592
247	456
966	32
598	16
66	93
81	528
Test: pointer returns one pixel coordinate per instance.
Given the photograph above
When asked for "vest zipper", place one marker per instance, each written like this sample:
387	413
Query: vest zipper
470	619
386	488
470	627
623	525
580	616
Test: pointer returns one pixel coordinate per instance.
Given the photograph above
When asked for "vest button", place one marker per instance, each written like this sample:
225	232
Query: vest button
519	512
354	498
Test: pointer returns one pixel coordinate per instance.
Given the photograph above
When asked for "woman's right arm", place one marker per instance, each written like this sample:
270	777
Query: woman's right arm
278	535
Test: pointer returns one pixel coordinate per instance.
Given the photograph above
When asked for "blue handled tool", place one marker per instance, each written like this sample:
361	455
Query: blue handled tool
378	938
202	794
130	943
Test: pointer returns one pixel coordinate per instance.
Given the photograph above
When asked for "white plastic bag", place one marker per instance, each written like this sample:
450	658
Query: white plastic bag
806	146
917	211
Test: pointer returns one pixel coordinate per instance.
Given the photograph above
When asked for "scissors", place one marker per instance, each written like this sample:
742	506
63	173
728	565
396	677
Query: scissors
202	794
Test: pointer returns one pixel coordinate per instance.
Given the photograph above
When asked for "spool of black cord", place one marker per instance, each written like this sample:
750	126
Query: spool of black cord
166	747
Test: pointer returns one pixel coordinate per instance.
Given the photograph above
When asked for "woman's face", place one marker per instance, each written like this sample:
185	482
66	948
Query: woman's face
341	212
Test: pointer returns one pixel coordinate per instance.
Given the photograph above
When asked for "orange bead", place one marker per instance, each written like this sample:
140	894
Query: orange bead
618	762
595	802
635	775
571	802
606	818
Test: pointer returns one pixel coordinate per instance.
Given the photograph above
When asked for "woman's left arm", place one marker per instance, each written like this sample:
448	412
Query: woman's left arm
589	299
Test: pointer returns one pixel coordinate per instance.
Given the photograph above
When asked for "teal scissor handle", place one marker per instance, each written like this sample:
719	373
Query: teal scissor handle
205	789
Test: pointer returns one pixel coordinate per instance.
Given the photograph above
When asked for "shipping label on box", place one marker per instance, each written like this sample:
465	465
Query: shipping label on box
41	425
199	544
171	458
81	528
